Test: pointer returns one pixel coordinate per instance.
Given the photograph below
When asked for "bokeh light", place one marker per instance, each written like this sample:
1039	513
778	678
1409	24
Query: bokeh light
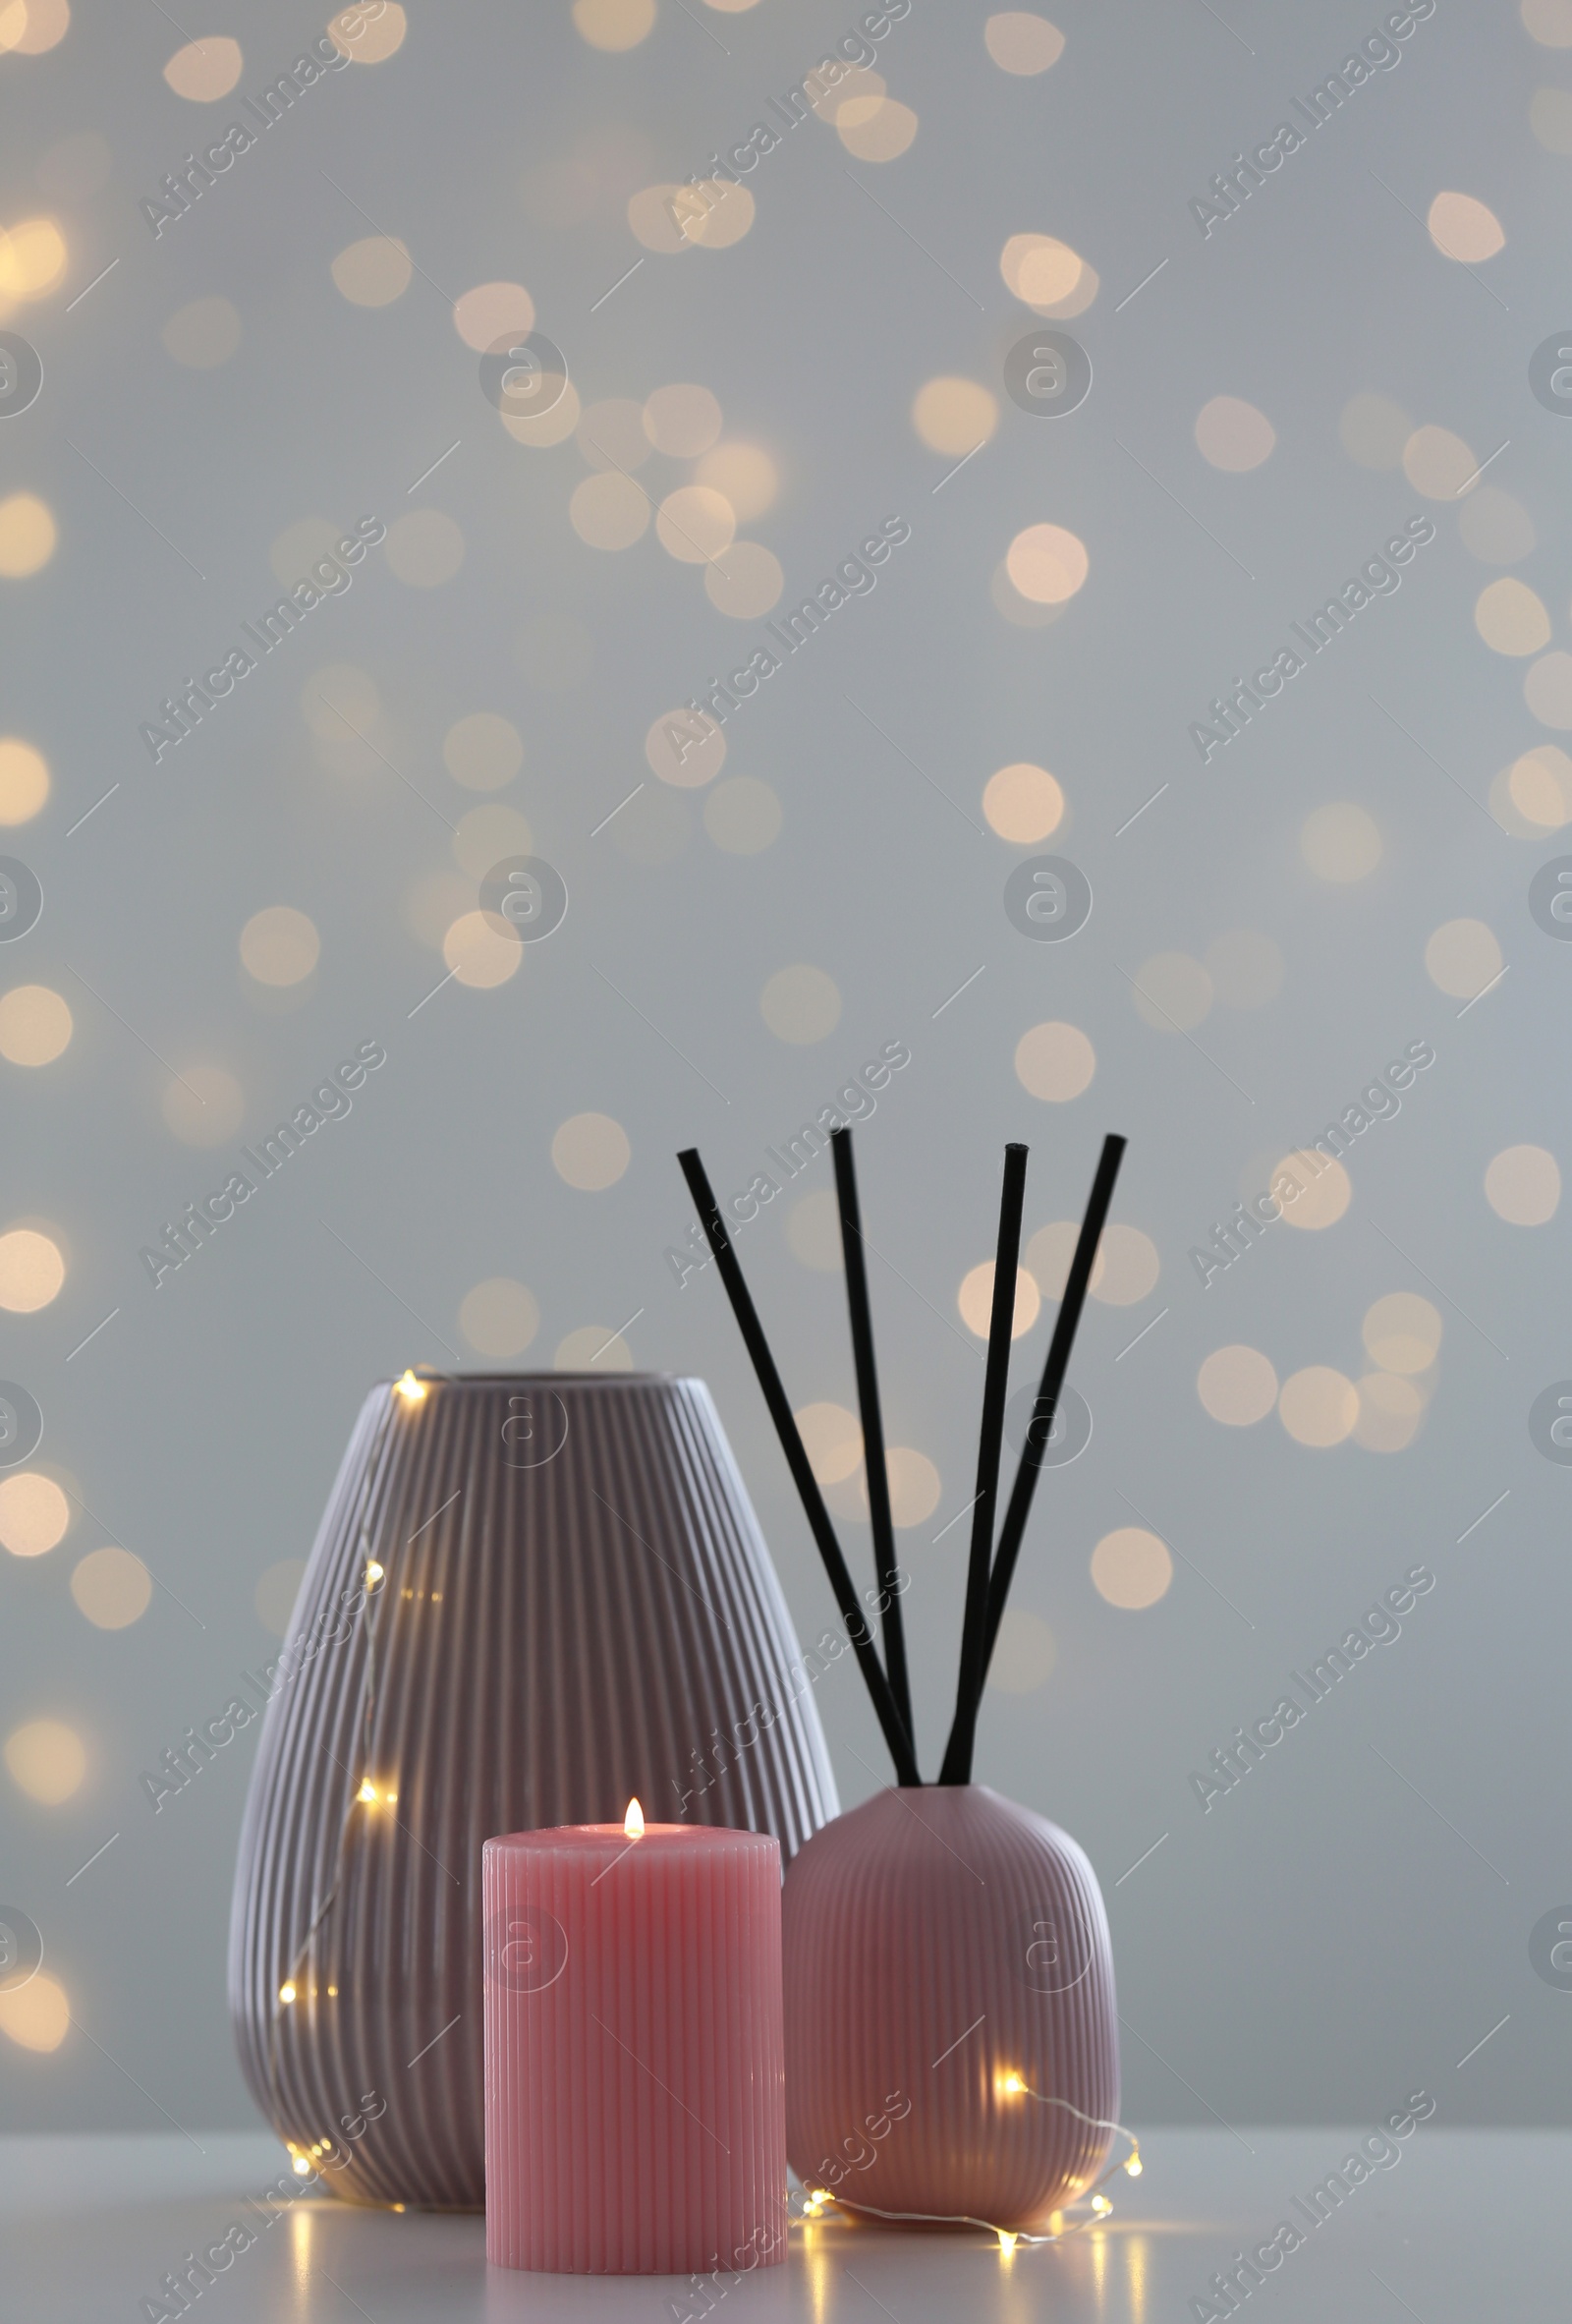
201	335
493	310
482	751
368	40
1402	1333
47	1759
832	1439
1549	22
33	1513
1131	1567
1055	1061
203	1106
26	536
1048	1254
685	749
1233	435
1463	227
1438	464
613	24
695	522
425	549
1020	42
683	420
1548	689
1540	786
1127	1265
373	272
1340	842
35	2015
592	1348
609	510
1041	271
1237	1385
111	1587
1325	1189
1024	1652
1496	527
35	1025
1171	993
32	258
279	945
499	1317
32	26
1319	1406
486	834
205	70
1511	618
1046	564
801	1004
591	1151
975	1299
1522	1185
1023	803
32	1269
744	581
23	779
1390	1411
744	474
1463	958
480	954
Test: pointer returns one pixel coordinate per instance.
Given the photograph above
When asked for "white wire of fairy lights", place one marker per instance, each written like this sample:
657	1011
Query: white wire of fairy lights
817	2200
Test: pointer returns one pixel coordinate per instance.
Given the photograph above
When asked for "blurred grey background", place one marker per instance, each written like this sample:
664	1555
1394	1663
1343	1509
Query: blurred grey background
1277	391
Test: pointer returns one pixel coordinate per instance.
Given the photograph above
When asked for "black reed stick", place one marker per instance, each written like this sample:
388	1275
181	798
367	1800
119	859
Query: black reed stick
878	1483
796	1461
957	1768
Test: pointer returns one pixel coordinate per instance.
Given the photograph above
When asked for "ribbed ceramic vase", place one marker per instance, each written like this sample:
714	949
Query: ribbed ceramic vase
951	2049
531	1599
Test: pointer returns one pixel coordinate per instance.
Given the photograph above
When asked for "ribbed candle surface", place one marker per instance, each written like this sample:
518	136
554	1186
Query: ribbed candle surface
635	2075
950	2021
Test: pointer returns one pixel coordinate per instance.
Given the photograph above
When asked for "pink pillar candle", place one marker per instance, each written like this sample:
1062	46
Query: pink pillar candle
635	2076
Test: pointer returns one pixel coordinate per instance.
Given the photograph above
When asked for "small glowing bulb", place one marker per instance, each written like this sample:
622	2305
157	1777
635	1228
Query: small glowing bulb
398	2206
302	2167
373	1573
332	1993
367	1792
1100	2203
1006	2243
412	1391
1133	2166
633	1823
286	1994
1012	2085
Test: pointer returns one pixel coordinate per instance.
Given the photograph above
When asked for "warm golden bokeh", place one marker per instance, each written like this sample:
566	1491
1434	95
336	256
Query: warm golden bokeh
499	1317
1511	618
695	522
1522	1185
487	834
954	416
373	272
35	2015
480	954
975	1299
801	1004
1463	958
1131	1567
1171	993
814	1231
1391	1410
744	474
1438	464
1019	42
1023	803
35	1025
32	1269
1237	1385
201	335
1549	22
368	40
1046	564
47	1759
609	510
683	420
493	310
1340	842
1540	786
26	536
1127	1267
592	1346
34	1514
1055	1061
1319	1406
1232	434
482	751
832	1439
23	779
1402	1333
205	70
1548	689
1040	270
425	549
32	26
32	259
1324	1190
1024	1652
614	24
590	1151
111	1587
745	582
279	945
1463	227
203	1106
686	749
1048	1254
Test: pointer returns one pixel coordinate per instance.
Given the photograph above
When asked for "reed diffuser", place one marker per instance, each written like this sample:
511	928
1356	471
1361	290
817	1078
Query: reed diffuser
950	2047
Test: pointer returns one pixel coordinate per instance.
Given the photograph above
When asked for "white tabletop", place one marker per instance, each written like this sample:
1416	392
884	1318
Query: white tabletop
1468	2224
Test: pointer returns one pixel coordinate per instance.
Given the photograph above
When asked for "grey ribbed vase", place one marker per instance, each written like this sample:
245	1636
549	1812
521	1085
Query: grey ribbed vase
532	1598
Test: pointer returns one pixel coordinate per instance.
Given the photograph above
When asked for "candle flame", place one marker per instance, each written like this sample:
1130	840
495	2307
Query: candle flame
633	1823
412	1391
